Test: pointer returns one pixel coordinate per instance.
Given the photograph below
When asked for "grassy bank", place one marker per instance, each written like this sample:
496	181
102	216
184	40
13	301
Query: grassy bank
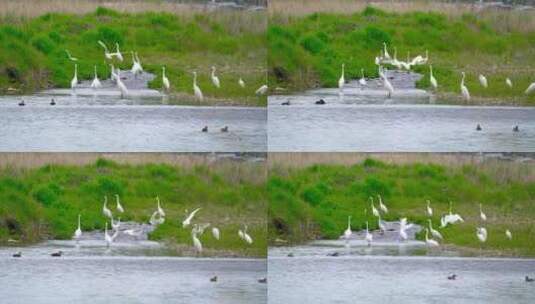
315	201
308	50
43	203
32	50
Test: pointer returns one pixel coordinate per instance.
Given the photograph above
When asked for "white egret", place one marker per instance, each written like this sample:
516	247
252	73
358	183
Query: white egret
121	85
196	242
74	81
215	79
428	241
241	83
403	229
464	89
107	53
119	206
240	234
107	237
246	237
481	233
156	219
375	212
429	210
450	218
388	86
136	66
262	90
196	90
381	205
508	234
381	224
508	82
483	81
531	88
482	215
432	79
160	209
369	236
395	62
165	80
215	233
116	225
386	55
347	232
78	232
96	82
362	79
118	52
434	232
105	210
70	57
113	76
139	62
188	219
342	79
134	232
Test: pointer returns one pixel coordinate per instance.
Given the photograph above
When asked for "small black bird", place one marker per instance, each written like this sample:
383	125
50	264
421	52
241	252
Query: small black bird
21	103
290	255
320	102
224	129
52	102
205	129
262	280
516	128
57	254
452	277
213	279
17	254
286	103
478	128
334	254
528	279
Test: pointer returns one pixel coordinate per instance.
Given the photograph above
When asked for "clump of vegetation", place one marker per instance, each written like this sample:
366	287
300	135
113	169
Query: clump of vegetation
32	51
44	203
314	202
308	51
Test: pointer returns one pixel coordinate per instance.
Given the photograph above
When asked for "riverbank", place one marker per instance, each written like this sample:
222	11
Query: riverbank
34	57
41	203
307	51
310	202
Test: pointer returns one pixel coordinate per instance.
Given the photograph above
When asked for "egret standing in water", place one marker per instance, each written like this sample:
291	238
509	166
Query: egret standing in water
428	241
369	236
342	80
362	79
165	81
388	86
107	237
96	82
347	232
432	79
78	232
74	81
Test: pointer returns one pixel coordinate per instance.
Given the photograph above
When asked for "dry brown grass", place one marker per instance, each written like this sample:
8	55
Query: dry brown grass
503	20
236	21
501	169
234	170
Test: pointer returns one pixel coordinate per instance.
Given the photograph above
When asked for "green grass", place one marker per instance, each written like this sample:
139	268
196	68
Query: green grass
45	202
314	202
308	51
32	51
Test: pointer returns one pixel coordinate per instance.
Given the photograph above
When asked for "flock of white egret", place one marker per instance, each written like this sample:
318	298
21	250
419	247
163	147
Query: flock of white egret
449	218
137	69
384	58
157	218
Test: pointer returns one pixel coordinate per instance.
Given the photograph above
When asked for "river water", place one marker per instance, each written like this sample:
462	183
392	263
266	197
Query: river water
111	124
125	274
382	274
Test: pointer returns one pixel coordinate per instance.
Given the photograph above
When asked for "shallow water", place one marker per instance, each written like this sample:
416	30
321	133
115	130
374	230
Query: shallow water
387	279
143	124
398	128
124	274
